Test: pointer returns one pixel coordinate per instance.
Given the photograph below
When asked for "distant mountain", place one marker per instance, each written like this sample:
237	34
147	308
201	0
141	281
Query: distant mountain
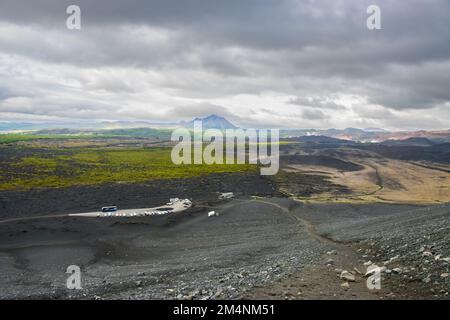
372	135
321	140
353	134
375	130
434	136
211	122
348	134
118	124
11	126
375	135
415	141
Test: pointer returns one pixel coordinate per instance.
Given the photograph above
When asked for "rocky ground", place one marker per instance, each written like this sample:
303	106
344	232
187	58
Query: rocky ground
263	247
409	244
415	250
186	255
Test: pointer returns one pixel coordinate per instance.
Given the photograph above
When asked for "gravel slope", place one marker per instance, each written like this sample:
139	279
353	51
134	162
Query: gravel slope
252	244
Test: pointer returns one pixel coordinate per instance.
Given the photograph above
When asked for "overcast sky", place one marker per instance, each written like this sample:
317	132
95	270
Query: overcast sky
259	63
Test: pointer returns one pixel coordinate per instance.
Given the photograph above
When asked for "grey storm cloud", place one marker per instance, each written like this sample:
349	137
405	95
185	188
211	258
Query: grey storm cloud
317	102
313	114
162	58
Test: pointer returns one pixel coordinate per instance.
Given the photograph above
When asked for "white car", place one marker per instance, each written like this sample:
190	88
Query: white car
213	214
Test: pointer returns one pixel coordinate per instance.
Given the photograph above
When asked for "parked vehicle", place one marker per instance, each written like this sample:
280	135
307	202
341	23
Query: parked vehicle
109	209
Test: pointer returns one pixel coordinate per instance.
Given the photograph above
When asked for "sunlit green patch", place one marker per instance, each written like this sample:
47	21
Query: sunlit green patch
16	137
88	166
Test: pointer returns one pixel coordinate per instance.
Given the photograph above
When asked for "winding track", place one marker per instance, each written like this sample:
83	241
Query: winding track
309	227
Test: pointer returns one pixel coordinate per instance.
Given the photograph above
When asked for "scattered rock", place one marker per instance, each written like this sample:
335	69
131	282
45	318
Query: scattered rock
218	293
330	262
345	285
347	276
287	294
391	260
397	270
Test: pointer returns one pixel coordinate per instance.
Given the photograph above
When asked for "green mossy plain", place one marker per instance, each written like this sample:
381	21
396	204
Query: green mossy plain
89	166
